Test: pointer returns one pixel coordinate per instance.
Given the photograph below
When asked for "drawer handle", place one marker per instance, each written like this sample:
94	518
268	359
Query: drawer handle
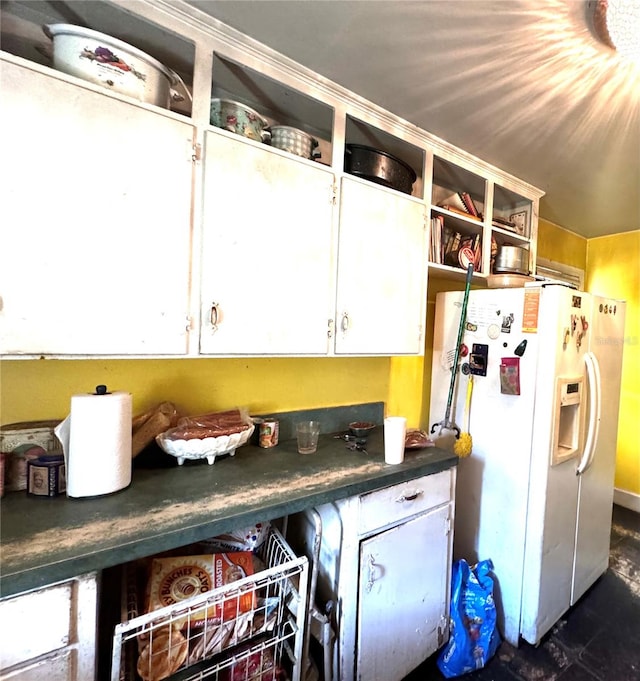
409	497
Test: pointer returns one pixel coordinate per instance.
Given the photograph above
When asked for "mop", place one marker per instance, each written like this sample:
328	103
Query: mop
463	445
447	423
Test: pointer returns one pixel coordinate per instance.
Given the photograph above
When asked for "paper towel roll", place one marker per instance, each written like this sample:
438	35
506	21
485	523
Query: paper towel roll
96	438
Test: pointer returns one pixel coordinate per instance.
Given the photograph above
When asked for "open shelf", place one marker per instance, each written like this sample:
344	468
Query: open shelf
361	133
470	206
451	181
21	34
275	101
508	206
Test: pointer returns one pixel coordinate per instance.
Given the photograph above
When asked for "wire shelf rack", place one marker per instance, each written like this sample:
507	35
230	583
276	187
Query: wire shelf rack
249	630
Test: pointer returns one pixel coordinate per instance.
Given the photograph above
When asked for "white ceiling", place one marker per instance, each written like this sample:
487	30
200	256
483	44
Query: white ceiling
522	84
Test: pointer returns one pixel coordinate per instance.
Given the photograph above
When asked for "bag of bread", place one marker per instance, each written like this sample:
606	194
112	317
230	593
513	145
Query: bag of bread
417	439
146	426
215	424
164	652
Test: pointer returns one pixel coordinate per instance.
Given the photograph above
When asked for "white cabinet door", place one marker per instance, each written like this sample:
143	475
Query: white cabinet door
382	271
96	221
267	281
403	604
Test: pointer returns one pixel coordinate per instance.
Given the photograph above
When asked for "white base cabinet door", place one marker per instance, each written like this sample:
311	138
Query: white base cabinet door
267	282
382	271
96	221
402	596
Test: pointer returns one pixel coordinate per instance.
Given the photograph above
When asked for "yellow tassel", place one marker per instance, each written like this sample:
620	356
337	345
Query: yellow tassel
464	444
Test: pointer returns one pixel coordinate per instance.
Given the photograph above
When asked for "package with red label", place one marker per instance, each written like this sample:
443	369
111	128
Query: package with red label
175	579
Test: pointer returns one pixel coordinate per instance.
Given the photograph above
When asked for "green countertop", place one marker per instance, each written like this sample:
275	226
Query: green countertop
45	540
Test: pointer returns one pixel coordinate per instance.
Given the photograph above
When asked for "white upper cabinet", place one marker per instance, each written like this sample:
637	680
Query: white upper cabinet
95	236
381	271
150	228
267	285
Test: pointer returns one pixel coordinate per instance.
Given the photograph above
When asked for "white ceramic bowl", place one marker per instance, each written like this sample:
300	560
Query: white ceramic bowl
207	448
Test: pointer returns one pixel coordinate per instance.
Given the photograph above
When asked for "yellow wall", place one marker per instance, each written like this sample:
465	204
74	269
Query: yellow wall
560	245
41	389
613	270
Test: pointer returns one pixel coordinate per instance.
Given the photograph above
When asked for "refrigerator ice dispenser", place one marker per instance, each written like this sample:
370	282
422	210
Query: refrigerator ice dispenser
567	422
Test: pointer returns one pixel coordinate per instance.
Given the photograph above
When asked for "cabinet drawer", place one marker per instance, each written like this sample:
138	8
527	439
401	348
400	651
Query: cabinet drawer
59	666
395	503
59	620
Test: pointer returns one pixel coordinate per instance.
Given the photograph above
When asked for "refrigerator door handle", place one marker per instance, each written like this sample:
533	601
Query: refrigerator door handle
593	420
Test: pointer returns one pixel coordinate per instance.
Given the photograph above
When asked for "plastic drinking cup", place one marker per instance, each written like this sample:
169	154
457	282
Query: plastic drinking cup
395	428
307	433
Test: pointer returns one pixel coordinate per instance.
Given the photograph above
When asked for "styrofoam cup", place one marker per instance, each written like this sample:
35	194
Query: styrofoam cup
395	428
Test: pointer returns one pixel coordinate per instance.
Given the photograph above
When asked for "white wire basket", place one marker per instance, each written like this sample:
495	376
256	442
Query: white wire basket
261	643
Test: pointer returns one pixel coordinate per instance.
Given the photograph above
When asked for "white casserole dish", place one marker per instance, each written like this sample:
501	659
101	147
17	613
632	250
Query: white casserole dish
294	141
110	62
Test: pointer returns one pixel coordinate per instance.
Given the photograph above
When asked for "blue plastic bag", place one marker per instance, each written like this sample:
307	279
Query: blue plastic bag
474	637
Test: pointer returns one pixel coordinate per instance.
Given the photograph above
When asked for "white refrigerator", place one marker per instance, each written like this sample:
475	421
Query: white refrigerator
535	495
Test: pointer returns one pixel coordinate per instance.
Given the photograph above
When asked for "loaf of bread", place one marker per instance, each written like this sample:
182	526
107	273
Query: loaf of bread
151	423
163	654
210	425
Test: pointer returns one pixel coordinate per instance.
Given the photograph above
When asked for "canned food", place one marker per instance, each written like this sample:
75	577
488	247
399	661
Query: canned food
269	431
21	442
46	476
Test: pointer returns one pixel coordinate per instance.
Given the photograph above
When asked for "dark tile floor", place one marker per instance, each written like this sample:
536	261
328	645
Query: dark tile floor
596	640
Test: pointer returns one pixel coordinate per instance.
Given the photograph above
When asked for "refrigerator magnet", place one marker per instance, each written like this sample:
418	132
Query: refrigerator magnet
510	375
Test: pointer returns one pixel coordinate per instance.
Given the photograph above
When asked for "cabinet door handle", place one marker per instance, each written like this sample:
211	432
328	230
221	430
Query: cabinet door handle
344	324
373	569
412	496
214	316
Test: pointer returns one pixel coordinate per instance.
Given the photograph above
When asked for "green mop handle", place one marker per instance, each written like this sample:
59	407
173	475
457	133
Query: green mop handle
463	316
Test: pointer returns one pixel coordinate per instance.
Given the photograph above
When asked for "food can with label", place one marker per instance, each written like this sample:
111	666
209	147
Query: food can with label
269	431
46	476
21	442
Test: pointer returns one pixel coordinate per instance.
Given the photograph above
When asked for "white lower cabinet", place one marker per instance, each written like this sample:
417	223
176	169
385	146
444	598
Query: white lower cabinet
267	285
385	566
49	634
382	271
402	596
96	221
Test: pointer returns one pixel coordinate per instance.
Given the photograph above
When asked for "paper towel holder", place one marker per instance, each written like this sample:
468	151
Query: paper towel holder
101	390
